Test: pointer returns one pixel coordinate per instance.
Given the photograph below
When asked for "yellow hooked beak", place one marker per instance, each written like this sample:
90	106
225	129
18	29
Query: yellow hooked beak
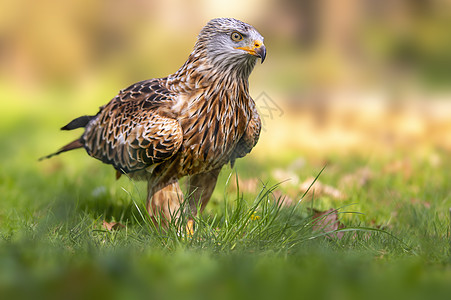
257	49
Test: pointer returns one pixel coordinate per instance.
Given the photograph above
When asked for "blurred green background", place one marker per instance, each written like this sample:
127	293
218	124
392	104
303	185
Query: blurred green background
335	68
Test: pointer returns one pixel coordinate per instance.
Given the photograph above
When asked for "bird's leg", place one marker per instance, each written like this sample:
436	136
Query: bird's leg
163	204
201	187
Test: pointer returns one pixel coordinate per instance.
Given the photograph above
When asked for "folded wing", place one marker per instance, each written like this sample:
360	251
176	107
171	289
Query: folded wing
131	133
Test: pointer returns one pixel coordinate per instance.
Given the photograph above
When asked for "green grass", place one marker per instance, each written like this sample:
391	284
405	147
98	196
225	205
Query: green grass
53	245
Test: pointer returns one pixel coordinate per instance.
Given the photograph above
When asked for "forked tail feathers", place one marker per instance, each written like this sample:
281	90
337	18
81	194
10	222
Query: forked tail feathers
78	122
74	124
71	146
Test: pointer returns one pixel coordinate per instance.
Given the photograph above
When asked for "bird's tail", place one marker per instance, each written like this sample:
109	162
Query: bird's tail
76	123
71	146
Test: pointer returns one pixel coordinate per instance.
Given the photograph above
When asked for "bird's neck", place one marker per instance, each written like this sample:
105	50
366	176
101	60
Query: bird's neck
202	72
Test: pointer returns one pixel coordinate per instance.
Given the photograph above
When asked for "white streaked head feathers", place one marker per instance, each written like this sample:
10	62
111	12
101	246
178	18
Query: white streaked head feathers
226	54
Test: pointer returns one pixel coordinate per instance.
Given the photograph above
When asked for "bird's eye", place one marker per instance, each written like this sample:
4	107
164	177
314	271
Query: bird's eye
236	36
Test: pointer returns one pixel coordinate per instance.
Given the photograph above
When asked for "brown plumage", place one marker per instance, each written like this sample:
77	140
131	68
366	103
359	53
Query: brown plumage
190	123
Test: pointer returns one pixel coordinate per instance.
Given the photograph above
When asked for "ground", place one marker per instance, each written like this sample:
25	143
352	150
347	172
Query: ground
395	205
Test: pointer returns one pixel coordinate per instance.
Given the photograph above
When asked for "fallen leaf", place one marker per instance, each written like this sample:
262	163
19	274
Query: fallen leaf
110	226
297	164
282	175
246	185
327	221
403	167
284	200
359	178
319	188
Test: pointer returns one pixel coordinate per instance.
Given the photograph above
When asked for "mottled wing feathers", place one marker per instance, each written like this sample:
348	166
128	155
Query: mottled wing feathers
129	132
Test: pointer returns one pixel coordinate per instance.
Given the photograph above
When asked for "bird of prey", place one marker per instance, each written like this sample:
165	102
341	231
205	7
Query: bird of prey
190	123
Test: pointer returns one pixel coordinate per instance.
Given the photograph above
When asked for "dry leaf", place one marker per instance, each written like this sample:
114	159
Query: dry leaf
357	179
110	226
297	164
403	167
285	200
285	176
326	221
246	185
319	188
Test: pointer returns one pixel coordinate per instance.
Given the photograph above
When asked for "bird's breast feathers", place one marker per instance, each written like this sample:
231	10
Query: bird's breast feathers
212	126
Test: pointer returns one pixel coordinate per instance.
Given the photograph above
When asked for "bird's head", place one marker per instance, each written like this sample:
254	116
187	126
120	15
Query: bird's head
231	45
